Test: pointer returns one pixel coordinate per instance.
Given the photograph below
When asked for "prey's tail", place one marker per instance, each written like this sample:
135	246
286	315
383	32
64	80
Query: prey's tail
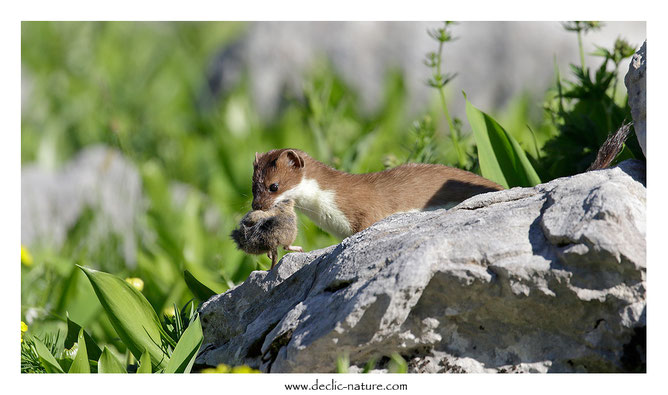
239	238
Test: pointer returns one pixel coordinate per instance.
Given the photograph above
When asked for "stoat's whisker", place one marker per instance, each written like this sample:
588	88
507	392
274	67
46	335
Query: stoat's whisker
305	209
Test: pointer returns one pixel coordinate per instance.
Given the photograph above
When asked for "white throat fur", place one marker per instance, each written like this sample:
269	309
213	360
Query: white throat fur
319	205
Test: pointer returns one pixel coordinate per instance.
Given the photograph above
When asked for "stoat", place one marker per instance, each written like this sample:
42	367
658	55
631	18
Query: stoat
343	203
263	232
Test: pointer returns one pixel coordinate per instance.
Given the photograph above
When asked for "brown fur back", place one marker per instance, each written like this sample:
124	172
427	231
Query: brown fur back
368	198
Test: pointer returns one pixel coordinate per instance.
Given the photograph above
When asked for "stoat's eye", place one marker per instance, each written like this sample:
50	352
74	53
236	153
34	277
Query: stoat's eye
273	187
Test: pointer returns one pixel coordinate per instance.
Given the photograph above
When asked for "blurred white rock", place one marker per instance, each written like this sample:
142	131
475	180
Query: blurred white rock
494	61
99	178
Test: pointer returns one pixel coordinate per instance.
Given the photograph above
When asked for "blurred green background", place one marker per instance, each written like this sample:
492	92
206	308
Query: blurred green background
135	87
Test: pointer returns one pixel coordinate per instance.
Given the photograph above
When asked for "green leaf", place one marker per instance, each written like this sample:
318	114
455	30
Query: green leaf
342	363
186	349
199	290
369	365
145	363
131	315
65	363
46	358
397	364
80	364
73	330
108	363
502	160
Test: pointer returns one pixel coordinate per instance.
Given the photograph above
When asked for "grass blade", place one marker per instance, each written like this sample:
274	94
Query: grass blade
370	365
342	363
502	160
397	364
131	315
80	364
186	349
145	363
199	290
108	363
46	358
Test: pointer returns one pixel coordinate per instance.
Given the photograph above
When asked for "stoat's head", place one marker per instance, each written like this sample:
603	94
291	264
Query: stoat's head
274	173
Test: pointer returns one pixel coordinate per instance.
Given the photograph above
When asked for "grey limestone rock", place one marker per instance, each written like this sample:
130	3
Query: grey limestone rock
636	85
543	279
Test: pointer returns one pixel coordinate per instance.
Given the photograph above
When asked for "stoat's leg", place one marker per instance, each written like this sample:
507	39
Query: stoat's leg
273	255
294	248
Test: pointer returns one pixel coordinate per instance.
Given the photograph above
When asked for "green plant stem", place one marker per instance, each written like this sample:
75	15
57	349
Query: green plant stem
582	56
451	126
609	107
535	142
557	76
614	82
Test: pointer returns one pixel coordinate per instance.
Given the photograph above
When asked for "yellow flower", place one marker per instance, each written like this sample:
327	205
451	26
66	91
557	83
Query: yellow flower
136	282
26	258
24	329
244	369
169	311
222	368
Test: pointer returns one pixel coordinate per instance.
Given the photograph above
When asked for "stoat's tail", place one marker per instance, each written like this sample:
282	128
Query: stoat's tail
611	147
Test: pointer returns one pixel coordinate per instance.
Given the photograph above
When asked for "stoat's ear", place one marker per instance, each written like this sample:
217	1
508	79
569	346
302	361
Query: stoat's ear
294	159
